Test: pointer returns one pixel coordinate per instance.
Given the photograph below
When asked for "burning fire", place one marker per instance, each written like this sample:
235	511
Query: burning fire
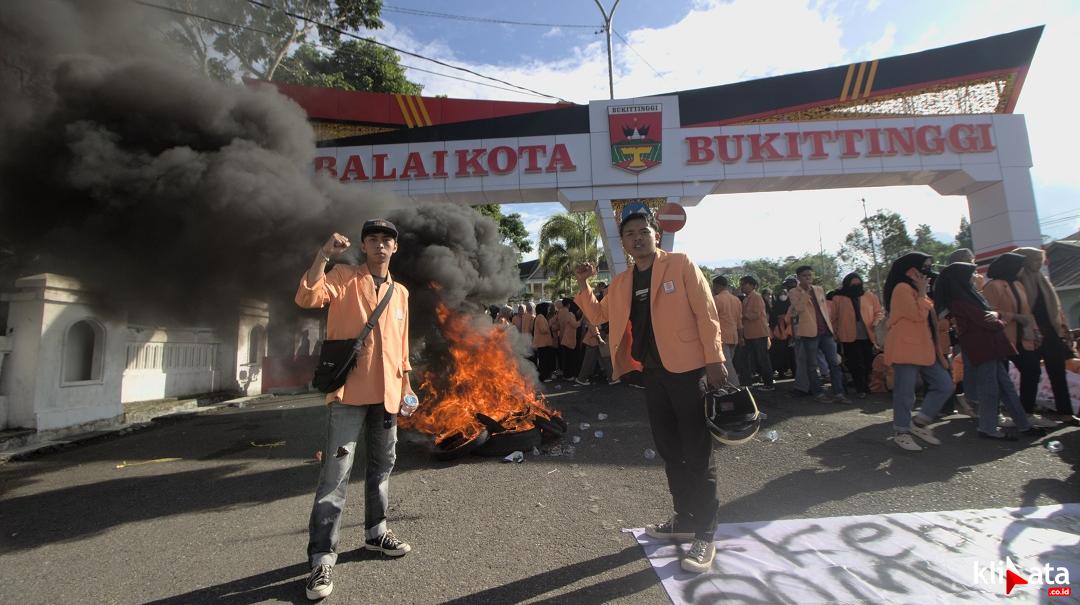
482	378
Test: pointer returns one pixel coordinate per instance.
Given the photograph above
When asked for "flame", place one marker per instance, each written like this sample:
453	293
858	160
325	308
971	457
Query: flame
482	378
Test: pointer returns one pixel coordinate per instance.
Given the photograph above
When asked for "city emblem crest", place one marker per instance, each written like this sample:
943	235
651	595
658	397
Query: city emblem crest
636	133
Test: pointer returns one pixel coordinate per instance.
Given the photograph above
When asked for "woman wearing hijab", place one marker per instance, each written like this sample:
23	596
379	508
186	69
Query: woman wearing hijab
1051	323
543	343
911	349
782	354
1008	297
984	343
857	314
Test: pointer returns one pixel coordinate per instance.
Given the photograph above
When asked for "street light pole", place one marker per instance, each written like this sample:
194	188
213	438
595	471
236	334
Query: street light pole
873	251
607	30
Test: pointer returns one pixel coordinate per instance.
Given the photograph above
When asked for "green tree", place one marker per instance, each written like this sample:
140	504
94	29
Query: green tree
511	227
963	236
566	240
926	242
890	241
258	48
354	65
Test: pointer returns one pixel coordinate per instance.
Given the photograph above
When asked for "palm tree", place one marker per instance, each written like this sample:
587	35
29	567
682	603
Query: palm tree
566	240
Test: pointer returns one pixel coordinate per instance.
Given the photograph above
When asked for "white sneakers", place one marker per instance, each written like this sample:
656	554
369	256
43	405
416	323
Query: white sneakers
925	434
907	442
1042	422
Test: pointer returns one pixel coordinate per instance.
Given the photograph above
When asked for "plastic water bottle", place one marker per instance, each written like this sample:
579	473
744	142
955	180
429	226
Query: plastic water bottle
409	403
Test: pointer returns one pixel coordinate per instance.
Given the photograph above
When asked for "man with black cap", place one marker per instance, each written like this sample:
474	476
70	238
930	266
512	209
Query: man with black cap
663	319
362	412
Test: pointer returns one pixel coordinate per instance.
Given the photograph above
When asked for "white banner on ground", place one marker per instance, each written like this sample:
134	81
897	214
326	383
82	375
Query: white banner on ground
1045	396
925	558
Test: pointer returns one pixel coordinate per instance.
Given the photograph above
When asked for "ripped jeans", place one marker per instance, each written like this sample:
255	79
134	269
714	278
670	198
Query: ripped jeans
345	426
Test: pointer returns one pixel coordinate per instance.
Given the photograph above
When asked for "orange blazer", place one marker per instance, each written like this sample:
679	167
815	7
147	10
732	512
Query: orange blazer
844	313
802	309
1000	297
782	329
541	333
909	340
379	375
685	324
729	311
568	325
755	318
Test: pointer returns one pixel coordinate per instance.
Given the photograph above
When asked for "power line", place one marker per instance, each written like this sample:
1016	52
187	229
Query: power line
616	32
179	11
428	13
326	48
428	71
399	50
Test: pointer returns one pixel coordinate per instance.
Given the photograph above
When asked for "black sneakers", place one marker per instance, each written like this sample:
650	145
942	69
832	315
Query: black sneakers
388	544
700	557
320	583
667	531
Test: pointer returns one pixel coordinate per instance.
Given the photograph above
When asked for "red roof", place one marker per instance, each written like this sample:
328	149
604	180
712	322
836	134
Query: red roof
397	110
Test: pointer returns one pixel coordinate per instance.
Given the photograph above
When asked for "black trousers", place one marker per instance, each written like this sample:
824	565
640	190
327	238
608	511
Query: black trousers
742	365
545	361
757	353
859	357
1053	353
568	362
677	416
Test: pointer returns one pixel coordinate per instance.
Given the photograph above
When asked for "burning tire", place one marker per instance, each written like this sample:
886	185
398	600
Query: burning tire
456	445
550	428
501	444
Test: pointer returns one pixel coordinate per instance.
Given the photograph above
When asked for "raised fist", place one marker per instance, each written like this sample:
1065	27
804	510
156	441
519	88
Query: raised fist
337	244
584	271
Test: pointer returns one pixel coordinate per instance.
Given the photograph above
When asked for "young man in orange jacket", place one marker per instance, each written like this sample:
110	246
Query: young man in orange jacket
361	413
662	317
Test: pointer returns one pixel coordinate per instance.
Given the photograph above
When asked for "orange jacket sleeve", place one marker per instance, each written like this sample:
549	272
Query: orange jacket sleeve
317	295
595	311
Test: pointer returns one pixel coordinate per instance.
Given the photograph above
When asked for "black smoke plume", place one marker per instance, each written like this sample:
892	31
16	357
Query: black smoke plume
177	196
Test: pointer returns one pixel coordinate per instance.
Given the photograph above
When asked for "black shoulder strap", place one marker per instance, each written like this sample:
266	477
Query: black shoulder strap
374	317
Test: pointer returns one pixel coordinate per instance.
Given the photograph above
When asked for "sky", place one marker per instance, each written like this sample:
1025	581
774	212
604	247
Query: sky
685	44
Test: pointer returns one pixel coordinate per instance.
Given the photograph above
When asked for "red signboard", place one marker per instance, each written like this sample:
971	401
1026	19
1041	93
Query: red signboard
671	218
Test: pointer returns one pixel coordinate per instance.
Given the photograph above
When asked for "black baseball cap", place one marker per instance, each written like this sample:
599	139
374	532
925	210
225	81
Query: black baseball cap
378	225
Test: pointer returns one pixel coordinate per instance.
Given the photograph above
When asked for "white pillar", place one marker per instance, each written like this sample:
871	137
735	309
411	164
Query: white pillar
1003	214
609	232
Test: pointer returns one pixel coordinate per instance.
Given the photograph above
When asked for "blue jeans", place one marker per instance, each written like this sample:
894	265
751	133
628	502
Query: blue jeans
827	346
940	388
347	423
994	385
802	369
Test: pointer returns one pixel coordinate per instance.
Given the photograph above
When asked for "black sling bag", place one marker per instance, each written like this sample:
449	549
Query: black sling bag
338	357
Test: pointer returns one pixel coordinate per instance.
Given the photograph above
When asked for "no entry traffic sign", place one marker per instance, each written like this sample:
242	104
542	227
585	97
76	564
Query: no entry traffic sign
671	218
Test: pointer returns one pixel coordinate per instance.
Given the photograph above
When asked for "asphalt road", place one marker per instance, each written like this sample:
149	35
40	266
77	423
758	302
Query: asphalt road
225	521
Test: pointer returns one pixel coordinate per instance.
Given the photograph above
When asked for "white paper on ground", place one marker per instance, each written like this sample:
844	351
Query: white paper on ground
925	558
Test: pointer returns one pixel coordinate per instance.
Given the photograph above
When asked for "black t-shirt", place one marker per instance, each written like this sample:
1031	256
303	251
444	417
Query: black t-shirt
644	347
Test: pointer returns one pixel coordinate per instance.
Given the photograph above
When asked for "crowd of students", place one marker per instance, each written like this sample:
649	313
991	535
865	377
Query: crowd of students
565	345
949	334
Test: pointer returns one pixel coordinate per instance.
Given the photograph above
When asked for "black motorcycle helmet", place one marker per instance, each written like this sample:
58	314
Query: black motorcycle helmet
732	415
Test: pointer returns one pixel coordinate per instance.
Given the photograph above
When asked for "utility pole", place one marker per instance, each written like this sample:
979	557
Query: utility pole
873	252
607	30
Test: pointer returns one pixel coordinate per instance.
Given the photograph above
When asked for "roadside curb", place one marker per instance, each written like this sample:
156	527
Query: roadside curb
47	446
